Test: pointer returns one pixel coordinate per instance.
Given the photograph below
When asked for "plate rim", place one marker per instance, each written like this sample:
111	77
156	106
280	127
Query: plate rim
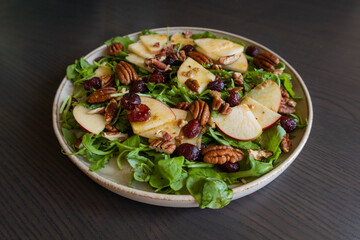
126	191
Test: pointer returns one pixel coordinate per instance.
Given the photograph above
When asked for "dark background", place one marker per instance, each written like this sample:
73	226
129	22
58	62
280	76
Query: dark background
44	196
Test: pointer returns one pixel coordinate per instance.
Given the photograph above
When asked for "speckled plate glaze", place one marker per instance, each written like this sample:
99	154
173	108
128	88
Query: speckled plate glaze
118	180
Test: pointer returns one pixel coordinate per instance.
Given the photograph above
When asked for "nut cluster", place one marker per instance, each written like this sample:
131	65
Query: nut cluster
156	64
266	61
200	111
126	73
218	103
115	48
221	154
101	95
183	105
287	106
238	79
200	58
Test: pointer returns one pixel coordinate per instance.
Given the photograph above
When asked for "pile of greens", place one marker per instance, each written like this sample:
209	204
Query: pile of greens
165	173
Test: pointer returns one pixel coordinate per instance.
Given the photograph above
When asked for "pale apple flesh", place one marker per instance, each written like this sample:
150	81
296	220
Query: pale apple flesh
138	61
263	115
103	70
141	50
177	38
92	123
154	43
216	48
159	115
240	65
240	124
268	94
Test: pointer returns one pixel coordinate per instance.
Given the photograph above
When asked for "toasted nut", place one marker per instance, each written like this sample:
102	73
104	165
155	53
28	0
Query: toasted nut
101	95
287	106
163	135
110	111
192	84
126	73
115	48
178	55
222	154
217	67
179	140
260	154
266	61
187	34
200	111
112	136
200	58
284	93
216	103
286	143
183	105
162	146
238	79
227	60
111	128
156	64
106	80
225	109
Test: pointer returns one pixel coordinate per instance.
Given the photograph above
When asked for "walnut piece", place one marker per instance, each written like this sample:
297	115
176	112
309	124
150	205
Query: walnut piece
157	64
192	84
286	143
200	111
162	146
221	154
260	154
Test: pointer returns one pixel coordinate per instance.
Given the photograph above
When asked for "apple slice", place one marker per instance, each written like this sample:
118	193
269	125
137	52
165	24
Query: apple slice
93	123
216	48
171	128
179	38
263	115
192	69
139	49
159	115
268	94
103	70
240	65
138	61
154	43
240	124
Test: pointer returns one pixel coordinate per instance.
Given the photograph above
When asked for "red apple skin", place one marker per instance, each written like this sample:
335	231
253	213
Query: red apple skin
272	124
242	140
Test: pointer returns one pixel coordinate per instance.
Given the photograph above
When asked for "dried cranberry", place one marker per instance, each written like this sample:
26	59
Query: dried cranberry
157	77
216	85
233	99
188	48
189	151
140	113
252	51
230	167
191	129
98	59
288	124
169	60
92	83
145	79
130	100
138	87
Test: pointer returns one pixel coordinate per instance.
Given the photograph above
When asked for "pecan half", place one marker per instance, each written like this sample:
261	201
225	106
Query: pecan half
192	84
162	146
225	109
260	154
227	60
183	105
106	80
111	128
101	95
110	111
266	61
115	48
284	93
163	135
216	103
200	111
217	67
126	73
287	106
238	79
156	64
222	154
200	58
286	143
178	55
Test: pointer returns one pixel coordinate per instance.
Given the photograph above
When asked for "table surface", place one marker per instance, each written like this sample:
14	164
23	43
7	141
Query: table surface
45	196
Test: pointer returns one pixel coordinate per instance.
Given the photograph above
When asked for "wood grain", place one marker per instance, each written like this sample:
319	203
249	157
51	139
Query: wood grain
44	195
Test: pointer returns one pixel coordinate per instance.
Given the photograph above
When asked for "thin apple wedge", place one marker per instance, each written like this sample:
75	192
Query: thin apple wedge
263	115
192	69
159	115
216	48
179	38
268	94
138	61
93	123
240	65
141	50
240	124
103	70
154	43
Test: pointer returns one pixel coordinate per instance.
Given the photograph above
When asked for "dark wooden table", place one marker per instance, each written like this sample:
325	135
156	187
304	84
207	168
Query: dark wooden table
44	196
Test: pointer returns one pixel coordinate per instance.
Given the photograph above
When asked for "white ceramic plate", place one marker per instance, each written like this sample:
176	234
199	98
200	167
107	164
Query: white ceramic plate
118	180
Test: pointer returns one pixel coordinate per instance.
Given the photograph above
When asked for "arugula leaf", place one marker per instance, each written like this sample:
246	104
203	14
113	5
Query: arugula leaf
69	137
147	32
142	166
225	140
125	41
123	123
285	79
300	123
80	71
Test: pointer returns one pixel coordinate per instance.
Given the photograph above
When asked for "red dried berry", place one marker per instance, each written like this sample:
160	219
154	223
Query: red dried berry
233	99
130	100
169	60
230	167
138	87
192	129
252	51
288	124
157	77
140	113
188	48
92	83
189	151
216	85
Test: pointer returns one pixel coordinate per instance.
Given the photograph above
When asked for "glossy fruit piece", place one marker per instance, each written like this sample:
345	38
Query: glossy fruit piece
103	70
288	124
263	115
240	124
156	77
140	113
230	167
93	123
179	38
92	83
138	87
240	65
216	48
192	69
154	43
188	48
217	85
252	51
141	50
160	114
191	129
130	100
233	99
189	151
268	94
138	61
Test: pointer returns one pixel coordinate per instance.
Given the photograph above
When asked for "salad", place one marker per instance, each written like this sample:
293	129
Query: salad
190	113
